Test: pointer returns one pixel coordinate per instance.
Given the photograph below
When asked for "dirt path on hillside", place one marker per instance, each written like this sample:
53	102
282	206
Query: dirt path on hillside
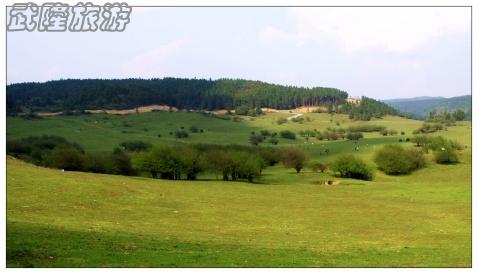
296	115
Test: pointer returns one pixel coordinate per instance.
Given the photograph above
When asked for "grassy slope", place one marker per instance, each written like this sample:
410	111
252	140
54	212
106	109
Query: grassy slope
79	219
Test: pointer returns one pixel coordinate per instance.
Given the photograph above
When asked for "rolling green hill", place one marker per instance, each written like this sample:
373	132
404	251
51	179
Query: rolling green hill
419	107
80	219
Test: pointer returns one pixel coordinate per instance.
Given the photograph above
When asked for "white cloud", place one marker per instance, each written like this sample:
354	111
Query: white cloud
359	29
155	62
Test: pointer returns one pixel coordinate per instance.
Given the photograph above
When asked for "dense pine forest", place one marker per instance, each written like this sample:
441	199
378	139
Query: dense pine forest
195	94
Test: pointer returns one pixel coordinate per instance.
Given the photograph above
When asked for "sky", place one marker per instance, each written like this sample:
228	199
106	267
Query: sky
381	53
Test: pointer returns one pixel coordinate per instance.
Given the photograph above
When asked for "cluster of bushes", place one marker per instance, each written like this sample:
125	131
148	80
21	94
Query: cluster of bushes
352	133
231	162
366	128
444	151
387	132
395	160
256	139
331	134
248	111
134	146
56	152
429	128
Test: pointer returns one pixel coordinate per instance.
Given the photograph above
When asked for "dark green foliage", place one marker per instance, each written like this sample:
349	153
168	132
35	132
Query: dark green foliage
354	136
65	157
294	157
287	134
175	92
181	134
122	163
56	152
33	149
366	128
135	145
194	129
459	115
256	139
348	166
395	160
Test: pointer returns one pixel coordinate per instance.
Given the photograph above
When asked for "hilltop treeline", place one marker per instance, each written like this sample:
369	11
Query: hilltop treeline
66	95
367	109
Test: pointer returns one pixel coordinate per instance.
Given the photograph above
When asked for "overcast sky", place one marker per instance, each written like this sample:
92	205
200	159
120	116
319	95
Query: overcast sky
377	52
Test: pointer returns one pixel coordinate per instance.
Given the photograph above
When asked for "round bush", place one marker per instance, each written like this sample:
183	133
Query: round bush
446	156
394	159
287	134
348	166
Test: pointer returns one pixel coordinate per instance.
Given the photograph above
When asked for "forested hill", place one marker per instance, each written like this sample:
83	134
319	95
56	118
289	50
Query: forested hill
196	94
420	107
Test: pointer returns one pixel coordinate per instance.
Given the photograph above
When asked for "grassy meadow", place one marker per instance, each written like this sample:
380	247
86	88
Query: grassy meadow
61	219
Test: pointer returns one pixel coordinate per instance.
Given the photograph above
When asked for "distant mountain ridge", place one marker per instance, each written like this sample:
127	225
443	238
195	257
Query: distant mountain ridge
419	107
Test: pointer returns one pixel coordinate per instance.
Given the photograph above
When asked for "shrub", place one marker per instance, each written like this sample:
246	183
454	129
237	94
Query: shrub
394	159
316	166
446	156
308	133
348	166
193	129
65	157
281	121
181	134
135	146
273	141
287	134
297	119
255	139
122	163
421	140
429	128
354	136
294	157
386	132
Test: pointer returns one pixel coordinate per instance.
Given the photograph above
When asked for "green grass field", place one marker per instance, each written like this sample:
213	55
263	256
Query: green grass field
79	219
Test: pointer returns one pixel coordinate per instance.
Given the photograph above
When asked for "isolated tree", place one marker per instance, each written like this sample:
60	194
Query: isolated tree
294	157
